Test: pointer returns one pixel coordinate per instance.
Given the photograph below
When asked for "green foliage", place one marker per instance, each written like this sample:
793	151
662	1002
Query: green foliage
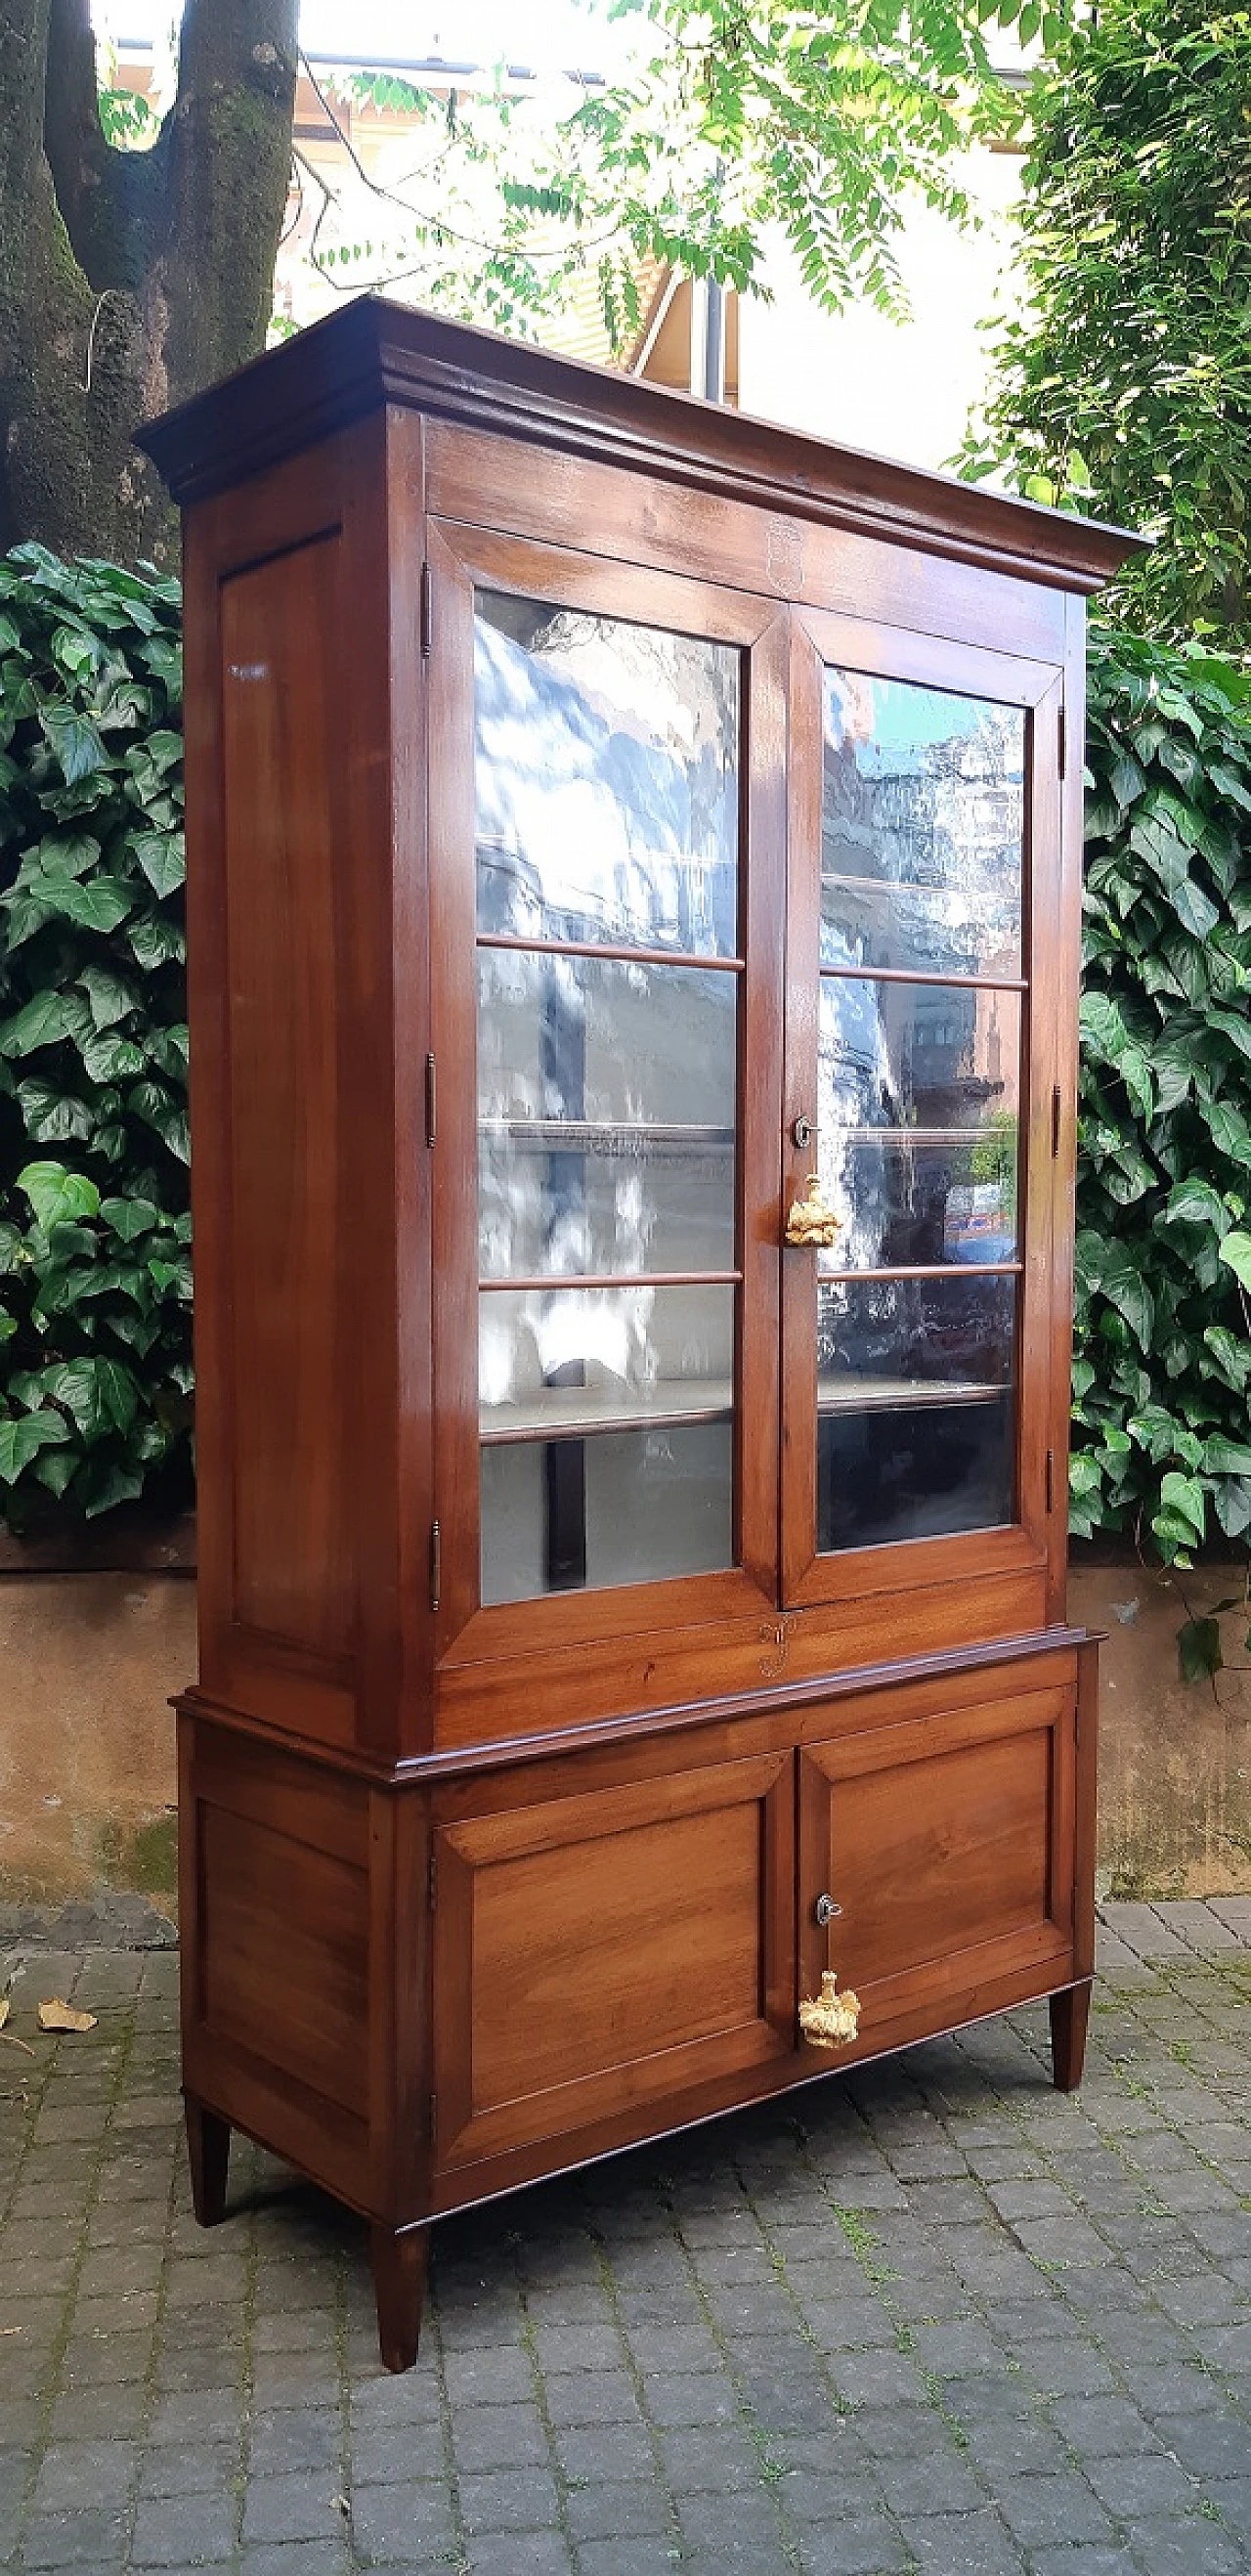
1125	382
1163	1275
735	117
95	1282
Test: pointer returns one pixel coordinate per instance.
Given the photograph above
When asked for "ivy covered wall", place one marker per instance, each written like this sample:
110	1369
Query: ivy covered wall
1163	1286
95	1271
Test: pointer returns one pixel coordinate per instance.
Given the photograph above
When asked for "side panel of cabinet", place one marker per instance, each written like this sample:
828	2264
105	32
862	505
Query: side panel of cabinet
297	1105
948	1844
305	1962
599	1954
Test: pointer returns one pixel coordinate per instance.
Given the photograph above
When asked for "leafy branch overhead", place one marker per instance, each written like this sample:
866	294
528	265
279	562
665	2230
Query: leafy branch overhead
95	1278
734	119
1162	1376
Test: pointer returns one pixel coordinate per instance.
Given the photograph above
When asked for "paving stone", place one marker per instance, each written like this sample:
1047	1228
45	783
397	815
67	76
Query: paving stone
292	2505
296	2558
184	2531
858	2545
617	2508
92	2540
520	2553
962	2544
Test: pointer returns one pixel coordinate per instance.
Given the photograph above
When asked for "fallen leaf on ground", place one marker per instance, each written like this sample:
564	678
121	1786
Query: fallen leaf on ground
4	2010
56	2015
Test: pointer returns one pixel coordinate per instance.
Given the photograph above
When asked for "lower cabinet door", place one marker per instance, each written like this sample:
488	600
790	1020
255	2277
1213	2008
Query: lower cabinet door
946	1844
597	1953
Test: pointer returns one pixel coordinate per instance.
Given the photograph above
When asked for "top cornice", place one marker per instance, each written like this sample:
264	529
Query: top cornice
375	352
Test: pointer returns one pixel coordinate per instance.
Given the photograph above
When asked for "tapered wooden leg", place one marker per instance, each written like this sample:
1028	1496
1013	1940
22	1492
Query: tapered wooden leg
1070	2014
400	2260
208	2146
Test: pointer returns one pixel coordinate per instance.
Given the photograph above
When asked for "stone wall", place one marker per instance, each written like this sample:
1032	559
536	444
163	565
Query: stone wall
89	1660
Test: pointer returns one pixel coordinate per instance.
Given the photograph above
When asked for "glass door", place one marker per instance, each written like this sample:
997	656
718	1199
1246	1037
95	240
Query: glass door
923	850
600	890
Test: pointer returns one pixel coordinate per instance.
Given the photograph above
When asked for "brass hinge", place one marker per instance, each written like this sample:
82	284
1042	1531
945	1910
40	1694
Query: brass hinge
1057	1115
432	1100
1051	1479
1062	744
436	1563
432	1879
434	2116
427	612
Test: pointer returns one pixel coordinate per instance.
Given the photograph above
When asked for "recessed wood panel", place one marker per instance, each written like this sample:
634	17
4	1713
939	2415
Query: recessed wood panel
283	1952
285	767
931	1856
941	1841
599	1950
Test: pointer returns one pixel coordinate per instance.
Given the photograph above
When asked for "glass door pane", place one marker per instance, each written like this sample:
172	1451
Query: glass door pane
607	797
920	1019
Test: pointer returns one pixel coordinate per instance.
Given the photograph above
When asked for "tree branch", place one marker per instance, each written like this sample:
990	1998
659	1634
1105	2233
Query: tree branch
227	152
90	179
23	63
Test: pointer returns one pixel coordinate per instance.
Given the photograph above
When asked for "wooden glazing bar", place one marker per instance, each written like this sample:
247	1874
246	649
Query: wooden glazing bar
618	1279
611	953
921	975
930	1270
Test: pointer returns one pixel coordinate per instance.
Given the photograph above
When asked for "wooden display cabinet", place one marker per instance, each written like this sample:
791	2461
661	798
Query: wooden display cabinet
605	812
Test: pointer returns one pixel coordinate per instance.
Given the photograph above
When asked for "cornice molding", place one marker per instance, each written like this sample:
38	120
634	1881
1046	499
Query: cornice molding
376	353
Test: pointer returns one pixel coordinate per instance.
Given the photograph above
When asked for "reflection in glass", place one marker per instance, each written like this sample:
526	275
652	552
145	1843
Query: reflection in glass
570	1362
918	1095
626	1507
922	828
606	780
915	1408
605	1115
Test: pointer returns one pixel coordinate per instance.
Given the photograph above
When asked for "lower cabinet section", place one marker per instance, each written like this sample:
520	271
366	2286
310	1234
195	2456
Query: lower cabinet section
426	1991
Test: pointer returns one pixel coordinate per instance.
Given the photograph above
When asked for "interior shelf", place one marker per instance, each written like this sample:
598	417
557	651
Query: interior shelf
918	1138
602	1135
899	1394
579	1413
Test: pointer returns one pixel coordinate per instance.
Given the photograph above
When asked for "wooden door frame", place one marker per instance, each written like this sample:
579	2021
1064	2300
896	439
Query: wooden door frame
904	1565
459	557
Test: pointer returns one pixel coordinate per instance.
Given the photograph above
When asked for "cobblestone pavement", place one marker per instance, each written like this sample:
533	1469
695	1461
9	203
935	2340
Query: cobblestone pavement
932	2317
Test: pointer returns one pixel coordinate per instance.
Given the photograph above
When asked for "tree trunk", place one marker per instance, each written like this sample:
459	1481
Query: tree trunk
128	281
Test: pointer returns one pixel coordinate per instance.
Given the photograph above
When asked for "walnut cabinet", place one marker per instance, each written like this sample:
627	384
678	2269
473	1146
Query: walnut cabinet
615	825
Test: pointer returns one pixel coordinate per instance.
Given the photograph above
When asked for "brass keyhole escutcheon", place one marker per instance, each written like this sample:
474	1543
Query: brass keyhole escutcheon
801	1133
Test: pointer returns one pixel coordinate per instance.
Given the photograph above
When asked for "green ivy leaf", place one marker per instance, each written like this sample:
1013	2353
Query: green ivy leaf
58	1196
52	1116
1199	1651
78	746
1185	1497
23	1436
130	1218
1236	1250
110	995
162	857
